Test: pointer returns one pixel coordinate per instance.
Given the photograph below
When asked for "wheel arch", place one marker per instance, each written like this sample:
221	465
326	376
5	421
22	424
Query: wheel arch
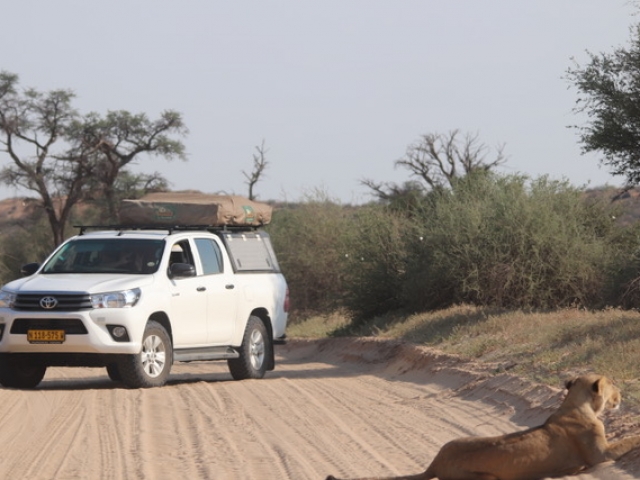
263	315
163	319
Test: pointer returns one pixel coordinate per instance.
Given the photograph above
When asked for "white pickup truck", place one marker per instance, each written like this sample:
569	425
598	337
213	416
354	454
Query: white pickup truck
135	300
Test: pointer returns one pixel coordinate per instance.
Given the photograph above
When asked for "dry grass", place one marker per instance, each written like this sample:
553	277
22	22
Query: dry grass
317	325
548	347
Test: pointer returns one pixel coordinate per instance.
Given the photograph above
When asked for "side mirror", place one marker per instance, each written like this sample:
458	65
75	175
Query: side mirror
182	270
29	269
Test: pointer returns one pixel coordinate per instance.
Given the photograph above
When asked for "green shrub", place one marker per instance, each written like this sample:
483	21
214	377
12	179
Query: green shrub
375	261
489	240
623	288
507	241
308	239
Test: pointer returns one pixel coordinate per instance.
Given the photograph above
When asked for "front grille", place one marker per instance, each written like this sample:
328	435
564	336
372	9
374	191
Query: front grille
71	326
64	302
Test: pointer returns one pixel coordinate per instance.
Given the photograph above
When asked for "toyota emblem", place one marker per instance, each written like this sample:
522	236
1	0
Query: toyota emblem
48	302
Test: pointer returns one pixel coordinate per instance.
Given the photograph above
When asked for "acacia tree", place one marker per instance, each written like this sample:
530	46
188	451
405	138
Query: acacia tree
609	94
59	154
435	160
115	140
32	127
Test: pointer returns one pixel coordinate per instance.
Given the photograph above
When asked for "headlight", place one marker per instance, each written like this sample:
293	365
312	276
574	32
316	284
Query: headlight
7	299
126	298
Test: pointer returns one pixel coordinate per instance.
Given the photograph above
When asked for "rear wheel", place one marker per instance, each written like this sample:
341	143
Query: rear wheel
254	352
20	374
150	367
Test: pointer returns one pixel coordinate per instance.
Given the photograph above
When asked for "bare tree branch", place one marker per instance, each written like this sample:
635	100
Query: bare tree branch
259	165
437	159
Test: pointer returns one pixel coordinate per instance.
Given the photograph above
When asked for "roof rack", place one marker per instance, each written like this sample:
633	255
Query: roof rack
169	228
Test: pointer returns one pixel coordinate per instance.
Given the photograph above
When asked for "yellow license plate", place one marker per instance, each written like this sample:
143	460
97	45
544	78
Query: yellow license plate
45	336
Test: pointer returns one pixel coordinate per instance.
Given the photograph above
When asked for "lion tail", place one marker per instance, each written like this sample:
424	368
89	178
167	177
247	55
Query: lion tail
428	474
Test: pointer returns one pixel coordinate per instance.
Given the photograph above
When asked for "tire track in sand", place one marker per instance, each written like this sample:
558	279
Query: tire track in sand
48	425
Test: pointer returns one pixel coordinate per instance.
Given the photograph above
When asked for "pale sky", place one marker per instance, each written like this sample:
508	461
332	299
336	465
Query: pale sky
337	89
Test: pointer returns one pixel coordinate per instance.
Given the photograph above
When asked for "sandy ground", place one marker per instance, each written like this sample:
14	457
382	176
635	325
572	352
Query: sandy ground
340	406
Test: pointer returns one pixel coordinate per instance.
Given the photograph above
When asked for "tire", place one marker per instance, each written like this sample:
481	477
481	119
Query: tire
255	350
114	372
19	374
150	367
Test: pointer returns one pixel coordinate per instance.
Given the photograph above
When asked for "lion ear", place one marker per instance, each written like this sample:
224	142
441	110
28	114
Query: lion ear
569	383
596	386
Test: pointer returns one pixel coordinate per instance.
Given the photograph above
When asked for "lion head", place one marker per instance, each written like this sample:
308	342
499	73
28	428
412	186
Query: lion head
596	390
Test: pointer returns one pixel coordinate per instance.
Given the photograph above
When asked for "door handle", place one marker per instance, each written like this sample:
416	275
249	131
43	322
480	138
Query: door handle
229	286
201	289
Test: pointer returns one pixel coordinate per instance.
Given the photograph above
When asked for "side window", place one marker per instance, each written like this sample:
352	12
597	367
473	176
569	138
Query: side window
210	255
181	253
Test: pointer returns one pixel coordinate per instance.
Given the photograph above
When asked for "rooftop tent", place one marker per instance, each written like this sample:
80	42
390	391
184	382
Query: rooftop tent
194	208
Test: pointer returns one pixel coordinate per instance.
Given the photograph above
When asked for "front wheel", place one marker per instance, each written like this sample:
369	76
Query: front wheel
254	352
20	374
114	372
150	367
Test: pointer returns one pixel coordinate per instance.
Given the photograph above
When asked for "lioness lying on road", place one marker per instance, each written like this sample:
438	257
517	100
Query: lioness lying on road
571	440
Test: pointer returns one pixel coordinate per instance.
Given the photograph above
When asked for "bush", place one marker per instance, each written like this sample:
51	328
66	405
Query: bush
507	241
308	239
375	261
489	240
623	289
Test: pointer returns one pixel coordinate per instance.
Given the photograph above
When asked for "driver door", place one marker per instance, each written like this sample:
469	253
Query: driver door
188	302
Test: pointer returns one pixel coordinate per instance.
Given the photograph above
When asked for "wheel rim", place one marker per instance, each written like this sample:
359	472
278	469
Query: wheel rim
256	349
153	355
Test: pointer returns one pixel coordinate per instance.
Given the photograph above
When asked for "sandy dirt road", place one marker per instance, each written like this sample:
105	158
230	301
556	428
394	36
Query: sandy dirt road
340	406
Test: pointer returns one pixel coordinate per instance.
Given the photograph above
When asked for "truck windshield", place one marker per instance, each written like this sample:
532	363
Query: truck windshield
121	255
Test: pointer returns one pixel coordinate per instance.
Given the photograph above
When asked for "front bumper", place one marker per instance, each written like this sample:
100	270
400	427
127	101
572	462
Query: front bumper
85	332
